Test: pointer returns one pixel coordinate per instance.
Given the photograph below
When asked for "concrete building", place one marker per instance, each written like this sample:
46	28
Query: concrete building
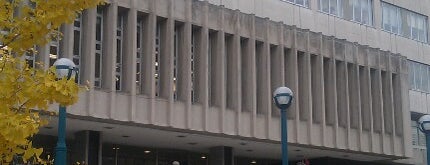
191	81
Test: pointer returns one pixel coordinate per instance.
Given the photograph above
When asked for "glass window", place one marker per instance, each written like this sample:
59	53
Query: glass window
324	6
333	7
119	53
53	52
99	45
303	3
77	36
139	49
419	76
404	22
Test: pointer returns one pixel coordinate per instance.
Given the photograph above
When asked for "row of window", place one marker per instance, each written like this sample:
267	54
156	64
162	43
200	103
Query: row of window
395	19
353	10
303	3
404	22
419	76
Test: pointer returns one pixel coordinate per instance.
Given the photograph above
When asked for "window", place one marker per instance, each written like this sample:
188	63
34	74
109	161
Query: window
404	22
157	59
54	51
139	53
119	44
99	45
419	76
303	3
360	11
390	18
416	23
176	39
30	57
77	36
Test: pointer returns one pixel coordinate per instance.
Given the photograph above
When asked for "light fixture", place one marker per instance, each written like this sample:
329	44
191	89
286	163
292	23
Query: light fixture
147	151
253	162
115	148
283	97
203	157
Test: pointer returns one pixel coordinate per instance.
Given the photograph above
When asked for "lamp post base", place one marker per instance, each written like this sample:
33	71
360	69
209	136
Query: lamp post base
284	137
61	149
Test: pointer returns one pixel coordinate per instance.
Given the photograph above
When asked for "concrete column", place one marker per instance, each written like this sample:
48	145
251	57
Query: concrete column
266	93
88	147
221	155
88	52
304	91
129	59
148	62
109	46
201	79
235	65
166	59
66	43
88	44
183	60
233	72
166	84
277	70
148	65
250	82
317	85
129	54
291	81
43	56
404	94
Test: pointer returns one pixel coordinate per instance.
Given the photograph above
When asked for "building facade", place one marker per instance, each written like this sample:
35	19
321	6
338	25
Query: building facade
192	81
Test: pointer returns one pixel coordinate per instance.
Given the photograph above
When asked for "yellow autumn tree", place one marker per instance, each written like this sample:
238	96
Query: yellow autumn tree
25	92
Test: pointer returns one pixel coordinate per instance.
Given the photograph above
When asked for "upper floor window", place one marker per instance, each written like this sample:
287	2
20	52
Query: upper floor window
419	76
333	7
304	3
360	11
404	22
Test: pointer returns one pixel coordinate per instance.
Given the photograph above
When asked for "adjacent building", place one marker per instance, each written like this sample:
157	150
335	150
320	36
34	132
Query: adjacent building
191	81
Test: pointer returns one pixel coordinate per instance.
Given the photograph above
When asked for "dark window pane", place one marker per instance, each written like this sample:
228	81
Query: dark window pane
76	41
97	65
99	29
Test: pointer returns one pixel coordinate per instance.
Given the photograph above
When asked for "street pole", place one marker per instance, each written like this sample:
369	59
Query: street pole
428	147
284	136
61	149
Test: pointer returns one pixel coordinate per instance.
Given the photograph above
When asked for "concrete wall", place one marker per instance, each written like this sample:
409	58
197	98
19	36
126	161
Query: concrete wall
344	74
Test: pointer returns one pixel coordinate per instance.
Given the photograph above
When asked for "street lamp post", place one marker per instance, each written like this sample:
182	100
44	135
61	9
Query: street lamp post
65	68
424	126
283	96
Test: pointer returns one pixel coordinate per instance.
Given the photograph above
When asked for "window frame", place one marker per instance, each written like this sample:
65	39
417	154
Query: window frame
412	19
294	2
